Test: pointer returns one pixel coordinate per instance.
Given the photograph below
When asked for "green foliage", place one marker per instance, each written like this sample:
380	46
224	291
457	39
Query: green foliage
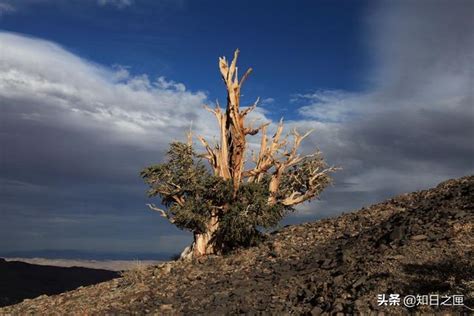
192	194
184	178
186	188
249	213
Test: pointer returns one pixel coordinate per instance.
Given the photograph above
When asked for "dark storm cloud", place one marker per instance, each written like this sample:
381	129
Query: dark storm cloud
74	137
415	126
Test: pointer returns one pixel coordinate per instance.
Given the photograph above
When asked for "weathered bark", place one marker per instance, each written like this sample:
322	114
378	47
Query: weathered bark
203	243
227	157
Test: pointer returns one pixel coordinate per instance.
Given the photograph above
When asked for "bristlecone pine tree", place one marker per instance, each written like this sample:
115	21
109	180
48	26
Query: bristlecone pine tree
228	206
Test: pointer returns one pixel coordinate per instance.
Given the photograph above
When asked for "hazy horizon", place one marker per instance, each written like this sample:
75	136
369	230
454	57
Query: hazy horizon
86	255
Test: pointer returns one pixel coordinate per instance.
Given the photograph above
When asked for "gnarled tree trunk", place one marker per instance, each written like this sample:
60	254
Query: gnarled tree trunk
227	158
203	243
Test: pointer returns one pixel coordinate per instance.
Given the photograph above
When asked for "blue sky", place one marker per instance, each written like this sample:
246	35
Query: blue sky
92	91
313	45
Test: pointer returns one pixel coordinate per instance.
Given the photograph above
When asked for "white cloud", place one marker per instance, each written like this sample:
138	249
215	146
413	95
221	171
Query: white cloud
11	6
120	4
69	91
329	106
268	101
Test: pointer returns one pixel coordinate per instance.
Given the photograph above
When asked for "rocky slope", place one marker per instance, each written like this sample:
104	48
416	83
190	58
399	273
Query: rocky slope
415	244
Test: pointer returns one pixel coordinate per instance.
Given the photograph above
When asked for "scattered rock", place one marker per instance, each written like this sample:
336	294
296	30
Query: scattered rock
412	244
419	237
398	233
360	281
316	311
276	248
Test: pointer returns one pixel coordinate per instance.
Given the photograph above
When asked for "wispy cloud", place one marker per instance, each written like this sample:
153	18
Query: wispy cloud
6	7
329	106
120	4
12	6
268	101
414	127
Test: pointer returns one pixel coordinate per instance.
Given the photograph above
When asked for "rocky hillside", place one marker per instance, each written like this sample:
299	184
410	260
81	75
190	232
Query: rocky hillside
414	244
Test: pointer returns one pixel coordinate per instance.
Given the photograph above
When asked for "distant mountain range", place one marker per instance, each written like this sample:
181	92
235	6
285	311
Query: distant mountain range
86	255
